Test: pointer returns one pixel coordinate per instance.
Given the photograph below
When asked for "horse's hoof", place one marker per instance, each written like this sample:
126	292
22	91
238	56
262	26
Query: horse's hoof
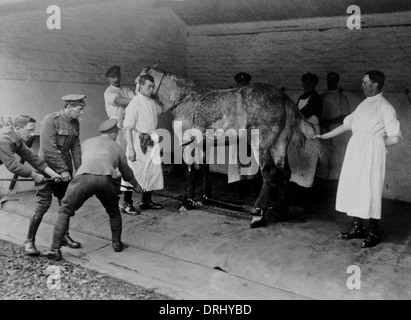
257	222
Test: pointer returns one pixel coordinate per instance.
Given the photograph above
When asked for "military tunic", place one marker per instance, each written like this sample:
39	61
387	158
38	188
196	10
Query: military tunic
60	147
10	145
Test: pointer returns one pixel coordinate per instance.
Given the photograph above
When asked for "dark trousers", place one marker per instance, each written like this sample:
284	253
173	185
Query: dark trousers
81	188
44	195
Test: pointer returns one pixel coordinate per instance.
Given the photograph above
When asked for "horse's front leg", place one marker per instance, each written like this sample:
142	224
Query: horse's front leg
190	185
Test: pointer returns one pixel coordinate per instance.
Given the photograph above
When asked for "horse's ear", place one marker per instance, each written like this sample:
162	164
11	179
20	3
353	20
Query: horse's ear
156	64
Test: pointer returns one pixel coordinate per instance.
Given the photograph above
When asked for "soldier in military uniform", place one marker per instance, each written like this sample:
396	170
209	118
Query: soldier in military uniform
97	175
60	148
13	141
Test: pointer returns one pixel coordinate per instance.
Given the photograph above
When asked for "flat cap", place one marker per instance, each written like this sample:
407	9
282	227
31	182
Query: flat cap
75	99
108	126
113	71
242	77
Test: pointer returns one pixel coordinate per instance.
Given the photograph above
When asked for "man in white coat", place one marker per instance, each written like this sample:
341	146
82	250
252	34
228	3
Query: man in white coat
374	127
143	150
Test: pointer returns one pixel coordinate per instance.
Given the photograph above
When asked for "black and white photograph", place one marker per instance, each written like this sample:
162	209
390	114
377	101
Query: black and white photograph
202	156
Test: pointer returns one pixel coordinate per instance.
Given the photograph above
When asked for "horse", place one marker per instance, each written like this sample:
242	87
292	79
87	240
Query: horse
255	107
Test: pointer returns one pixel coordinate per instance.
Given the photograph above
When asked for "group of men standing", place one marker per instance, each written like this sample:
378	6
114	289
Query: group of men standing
126	149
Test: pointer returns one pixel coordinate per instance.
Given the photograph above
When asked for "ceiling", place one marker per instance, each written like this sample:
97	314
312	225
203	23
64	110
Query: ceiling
198	12
208	12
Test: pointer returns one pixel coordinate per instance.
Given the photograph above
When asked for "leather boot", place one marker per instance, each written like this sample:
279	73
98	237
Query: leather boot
30	248
69	242
29	245
146	202
373	237
258	220
116	229
357	230
53	254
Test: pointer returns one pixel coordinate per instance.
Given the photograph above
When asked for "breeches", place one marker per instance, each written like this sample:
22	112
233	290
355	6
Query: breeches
45	192
84	186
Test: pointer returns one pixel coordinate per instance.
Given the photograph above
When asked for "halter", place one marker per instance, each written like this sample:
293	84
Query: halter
159	84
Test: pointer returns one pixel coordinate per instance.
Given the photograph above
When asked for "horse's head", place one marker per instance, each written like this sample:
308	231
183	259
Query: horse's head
164	91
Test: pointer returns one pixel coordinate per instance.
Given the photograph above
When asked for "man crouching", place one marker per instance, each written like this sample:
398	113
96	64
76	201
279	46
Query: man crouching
101	156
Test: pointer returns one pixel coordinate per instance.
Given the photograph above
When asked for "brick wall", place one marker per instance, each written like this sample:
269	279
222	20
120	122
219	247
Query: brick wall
280	52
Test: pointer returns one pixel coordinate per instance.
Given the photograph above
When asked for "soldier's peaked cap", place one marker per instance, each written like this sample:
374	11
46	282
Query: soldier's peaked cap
74	99
113	71
242	77
108	126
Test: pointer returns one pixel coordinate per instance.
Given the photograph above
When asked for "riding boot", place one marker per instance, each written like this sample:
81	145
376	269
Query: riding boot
116	229
59	232
357	230
29	245
147	203
373	237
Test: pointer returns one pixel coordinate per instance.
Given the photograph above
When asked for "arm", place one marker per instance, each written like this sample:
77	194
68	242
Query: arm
126	172
48	142
76	150
130	145
122	102
336	132
13	165
391	141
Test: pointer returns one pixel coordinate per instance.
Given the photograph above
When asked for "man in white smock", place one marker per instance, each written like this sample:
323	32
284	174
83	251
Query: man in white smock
143	150
375	127
116	99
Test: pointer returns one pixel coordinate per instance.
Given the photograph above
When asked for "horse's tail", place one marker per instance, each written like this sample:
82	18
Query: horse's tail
301	128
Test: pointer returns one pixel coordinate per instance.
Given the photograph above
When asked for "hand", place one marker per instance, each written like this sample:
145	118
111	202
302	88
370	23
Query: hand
38	178
65	176
131	156
318	136
56	177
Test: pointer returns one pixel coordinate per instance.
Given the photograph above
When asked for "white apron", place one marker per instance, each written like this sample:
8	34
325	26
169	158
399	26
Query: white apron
141	116
303	162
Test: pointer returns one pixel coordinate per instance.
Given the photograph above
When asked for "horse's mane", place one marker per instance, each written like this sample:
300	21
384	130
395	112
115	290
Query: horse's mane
186	82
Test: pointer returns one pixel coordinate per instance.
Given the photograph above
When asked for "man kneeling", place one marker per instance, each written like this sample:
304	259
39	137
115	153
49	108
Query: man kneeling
97	175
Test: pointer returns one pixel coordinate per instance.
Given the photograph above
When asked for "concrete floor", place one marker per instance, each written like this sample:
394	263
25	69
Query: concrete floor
298	259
